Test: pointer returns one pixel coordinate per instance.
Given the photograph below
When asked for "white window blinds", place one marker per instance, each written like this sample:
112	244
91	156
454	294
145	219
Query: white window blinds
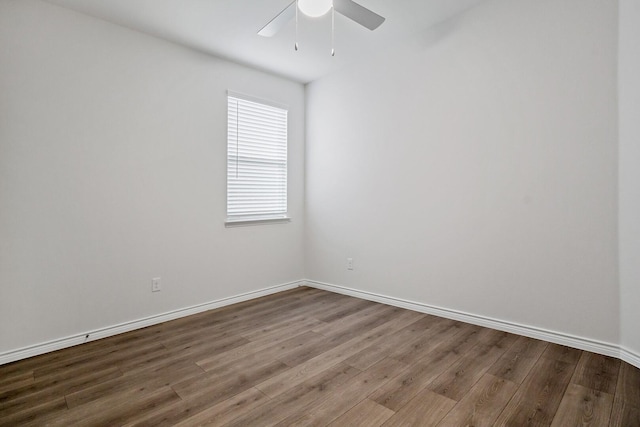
256	160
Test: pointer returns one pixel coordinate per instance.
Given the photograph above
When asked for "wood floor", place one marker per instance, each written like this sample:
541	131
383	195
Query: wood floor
309	357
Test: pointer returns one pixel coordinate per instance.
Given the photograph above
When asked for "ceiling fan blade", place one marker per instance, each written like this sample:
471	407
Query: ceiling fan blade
358	13
279	21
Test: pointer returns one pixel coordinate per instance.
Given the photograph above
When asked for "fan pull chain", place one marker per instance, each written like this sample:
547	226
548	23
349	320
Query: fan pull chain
296	40
333	31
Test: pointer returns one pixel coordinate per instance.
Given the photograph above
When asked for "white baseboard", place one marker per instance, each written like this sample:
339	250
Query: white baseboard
630	357
581	343
46	347
529	331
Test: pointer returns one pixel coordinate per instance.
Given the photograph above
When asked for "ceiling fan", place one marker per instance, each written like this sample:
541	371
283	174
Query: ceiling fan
317	8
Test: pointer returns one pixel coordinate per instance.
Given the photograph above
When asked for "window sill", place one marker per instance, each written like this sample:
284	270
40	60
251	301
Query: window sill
248	222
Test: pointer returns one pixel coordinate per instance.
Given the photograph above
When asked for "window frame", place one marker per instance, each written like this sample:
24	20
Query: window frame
239	220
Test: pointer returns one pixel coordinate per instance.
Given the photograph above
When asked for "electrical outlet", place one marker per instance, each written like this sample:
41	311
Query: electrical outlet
349	263
156	286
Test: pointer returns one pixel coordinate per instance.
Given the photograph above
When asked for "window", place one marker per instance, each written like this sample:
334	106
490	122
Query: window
256	161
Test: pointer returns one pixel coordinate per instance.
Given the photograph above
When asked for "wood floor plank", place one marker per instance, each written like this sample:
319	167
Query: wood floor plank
148	379
344	332
176	412
28	365
130	392
286	328
482	405
220	342
223	412
255	318
281	349
35	413
321	304
19	380
516	363
219	329
340	311
458	342
20	368
219	387
414	413
118	415
362	320
448	350
458	379
237	325
346	397
297	342
401	389
298	398
182	410
268	341
597	372
428	326
113	358
253	324
582	406
169	356
313	349
626	404
624	414
329	304
51	389
242	365
293	376
414	349
82	364
366	413
538	398
366	358
562	353
628	387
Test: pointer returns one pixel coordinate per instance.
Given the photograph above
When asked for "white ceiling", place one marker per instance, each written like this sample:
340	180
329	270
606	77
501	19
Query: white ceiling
228	29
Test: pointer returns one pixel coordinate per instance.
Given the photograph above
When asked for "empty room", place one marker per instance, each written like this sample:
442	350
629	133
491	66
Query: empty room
320	212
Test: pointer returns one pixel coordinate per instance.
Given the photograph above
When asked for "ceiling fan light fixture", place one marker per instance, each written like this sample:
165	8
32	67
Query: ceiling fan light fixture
315	8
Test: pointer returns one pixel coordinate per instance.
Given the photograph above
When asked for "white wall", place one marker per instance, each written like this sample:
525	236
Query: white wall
112	171
629	173
479	173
